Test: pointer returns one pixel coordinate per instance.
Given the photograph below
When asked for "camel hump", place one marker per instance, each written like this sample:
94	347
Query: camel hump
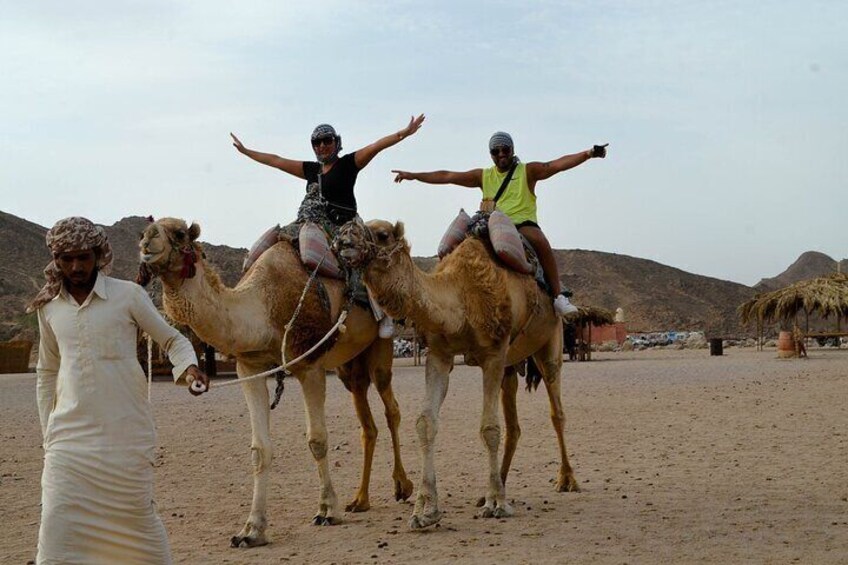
507	243
263	244
315	251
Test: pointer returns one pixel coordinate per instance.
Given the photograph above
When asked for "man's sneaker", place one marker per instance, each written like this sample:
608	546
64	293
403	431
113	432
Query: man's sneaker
386	329
563	306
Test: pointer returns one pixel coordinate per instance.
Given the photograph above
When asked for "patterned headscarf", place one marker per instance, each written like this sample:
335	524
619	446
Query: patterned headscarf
323	130
71	234
326	130
500	139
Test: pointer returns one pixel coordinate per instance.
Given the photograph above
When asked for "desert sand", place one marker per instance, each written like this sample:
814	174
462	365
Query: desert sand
681	457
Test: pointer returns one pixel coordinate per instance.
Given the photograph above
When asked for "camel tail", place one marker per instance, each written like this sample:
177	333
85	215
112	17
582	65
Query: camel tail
533	376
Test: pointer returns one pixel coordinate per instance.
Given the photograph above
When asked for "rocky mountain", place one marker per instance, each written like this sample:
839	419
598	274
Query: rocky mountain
23	255
654	296
809	265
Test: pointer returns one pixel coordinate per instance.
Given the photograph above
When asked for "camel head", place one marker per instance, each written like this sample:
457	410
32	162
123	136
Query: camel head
168	246
359	244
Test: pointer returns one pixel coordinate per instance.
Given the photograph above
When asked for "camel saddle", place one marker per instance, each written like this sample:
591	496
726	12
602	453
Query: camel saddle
311	241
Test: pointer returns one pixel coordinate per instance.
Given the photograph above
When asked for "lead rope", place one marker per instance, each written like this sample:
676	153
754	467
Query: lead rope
286	364
149	365
283	367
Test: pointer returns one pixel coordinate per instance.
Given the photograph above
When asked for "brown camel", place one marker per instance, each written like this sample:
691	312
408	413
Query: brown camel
474	306
248	322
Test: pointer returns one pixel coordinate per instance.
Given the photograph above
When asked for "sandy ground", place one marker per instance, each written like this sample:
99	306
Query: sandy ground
681	458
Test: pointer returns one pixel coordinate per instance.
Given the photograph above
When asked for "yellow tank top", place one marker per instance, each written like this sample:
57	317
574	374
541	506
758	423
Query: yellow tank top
517	202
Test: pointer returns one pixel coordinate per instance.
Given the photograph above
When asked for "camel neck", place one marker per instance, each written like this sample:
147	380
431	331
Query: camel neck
222	317
405	291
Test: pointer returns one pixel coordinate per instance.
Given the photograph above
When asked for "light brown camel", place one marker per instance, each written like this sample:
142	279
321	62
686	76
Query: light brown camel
474	306
248	321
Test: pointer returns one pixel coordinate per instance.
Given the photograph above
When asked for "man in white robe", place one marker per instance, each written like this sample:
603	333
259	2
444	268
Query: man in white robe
96	420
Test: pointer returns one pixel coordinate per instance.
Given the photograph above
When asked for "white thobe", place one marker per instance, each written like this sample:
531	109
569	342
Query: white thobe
99	435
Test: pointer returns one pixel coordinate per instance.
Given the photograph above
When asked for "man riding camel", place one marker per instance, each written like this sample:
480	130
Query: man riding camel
518	200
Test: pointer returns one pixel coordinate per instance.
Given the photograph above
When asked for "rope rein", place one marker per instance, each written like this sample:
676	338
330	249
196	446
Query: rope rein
338	326
149	366
285	366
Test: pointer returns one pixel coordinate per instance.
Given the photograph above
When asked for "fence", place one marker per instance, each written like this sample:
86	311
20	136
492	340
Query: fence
14	356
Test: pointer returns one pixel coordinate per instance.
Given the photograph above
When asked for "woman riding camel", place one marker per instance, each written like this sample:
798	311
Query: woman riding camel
330	179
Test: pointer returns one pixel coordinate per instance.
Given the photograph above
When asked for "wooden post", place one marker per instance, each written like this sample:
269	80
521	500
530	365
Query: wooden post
581	356
210	366
416	353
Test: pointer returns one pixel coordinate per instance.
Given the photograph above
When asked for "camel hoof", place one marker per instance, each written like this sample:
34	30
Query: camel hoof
568	485
486	512
424	521
324	521
504	511
403	489
357	506
247	541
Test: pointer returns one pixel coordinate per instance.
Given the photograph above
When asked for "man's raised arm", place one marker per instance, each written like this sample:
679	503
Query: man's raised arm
470	179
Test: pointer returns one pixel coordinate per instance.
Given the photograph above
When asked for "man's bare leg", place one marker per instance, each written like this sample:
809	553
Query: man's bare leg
546	258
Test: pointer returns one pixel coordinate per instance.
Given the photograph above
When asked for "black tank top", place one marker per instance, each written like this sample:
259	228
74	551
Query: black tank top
336	186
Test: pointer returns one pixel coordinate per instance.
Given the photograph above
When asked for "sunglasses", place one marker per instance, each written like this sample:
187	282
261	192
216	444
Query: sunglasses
503	150
323	141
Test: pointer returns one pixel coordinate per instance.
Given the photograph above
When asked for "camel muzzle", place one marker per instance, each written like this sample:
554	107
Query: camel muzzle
350	256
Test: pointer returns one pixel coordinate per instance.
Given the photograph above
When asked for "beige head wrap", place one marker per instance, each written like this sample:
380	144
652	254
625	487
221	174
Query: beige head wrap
71	234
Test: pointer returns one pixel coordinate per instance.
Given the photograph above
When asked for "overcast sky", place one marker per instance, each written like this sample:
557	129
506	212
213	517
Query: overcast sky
727	121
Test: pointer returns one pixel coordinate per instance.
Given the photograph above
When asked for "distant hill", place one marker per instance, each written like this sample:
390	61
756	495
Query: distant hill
653	296
809	265
23	255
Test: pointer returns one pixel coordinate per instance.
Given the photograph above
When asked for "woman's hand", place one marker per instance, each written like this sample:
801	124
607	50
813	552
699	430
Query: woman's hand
414	125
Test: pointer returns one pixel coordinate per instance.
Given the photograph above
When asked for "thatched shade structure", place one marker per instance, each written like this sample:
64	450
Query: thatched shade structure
584	319
826	296
587	315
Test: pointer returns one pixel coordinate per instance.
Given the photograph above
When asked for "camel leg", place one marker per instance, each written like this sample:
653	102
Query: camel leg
509	388
379	361
549	361
355	378
314	385
496	505
437	371
258	404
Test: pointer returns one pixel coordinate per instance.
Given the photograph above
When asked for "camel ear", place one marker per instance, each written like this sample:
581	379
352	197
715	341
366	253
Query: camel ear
194	232
399	230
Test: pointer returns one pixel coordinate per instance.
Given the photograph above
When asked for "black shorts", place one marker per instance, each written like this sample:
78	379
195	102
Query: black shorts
527	223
